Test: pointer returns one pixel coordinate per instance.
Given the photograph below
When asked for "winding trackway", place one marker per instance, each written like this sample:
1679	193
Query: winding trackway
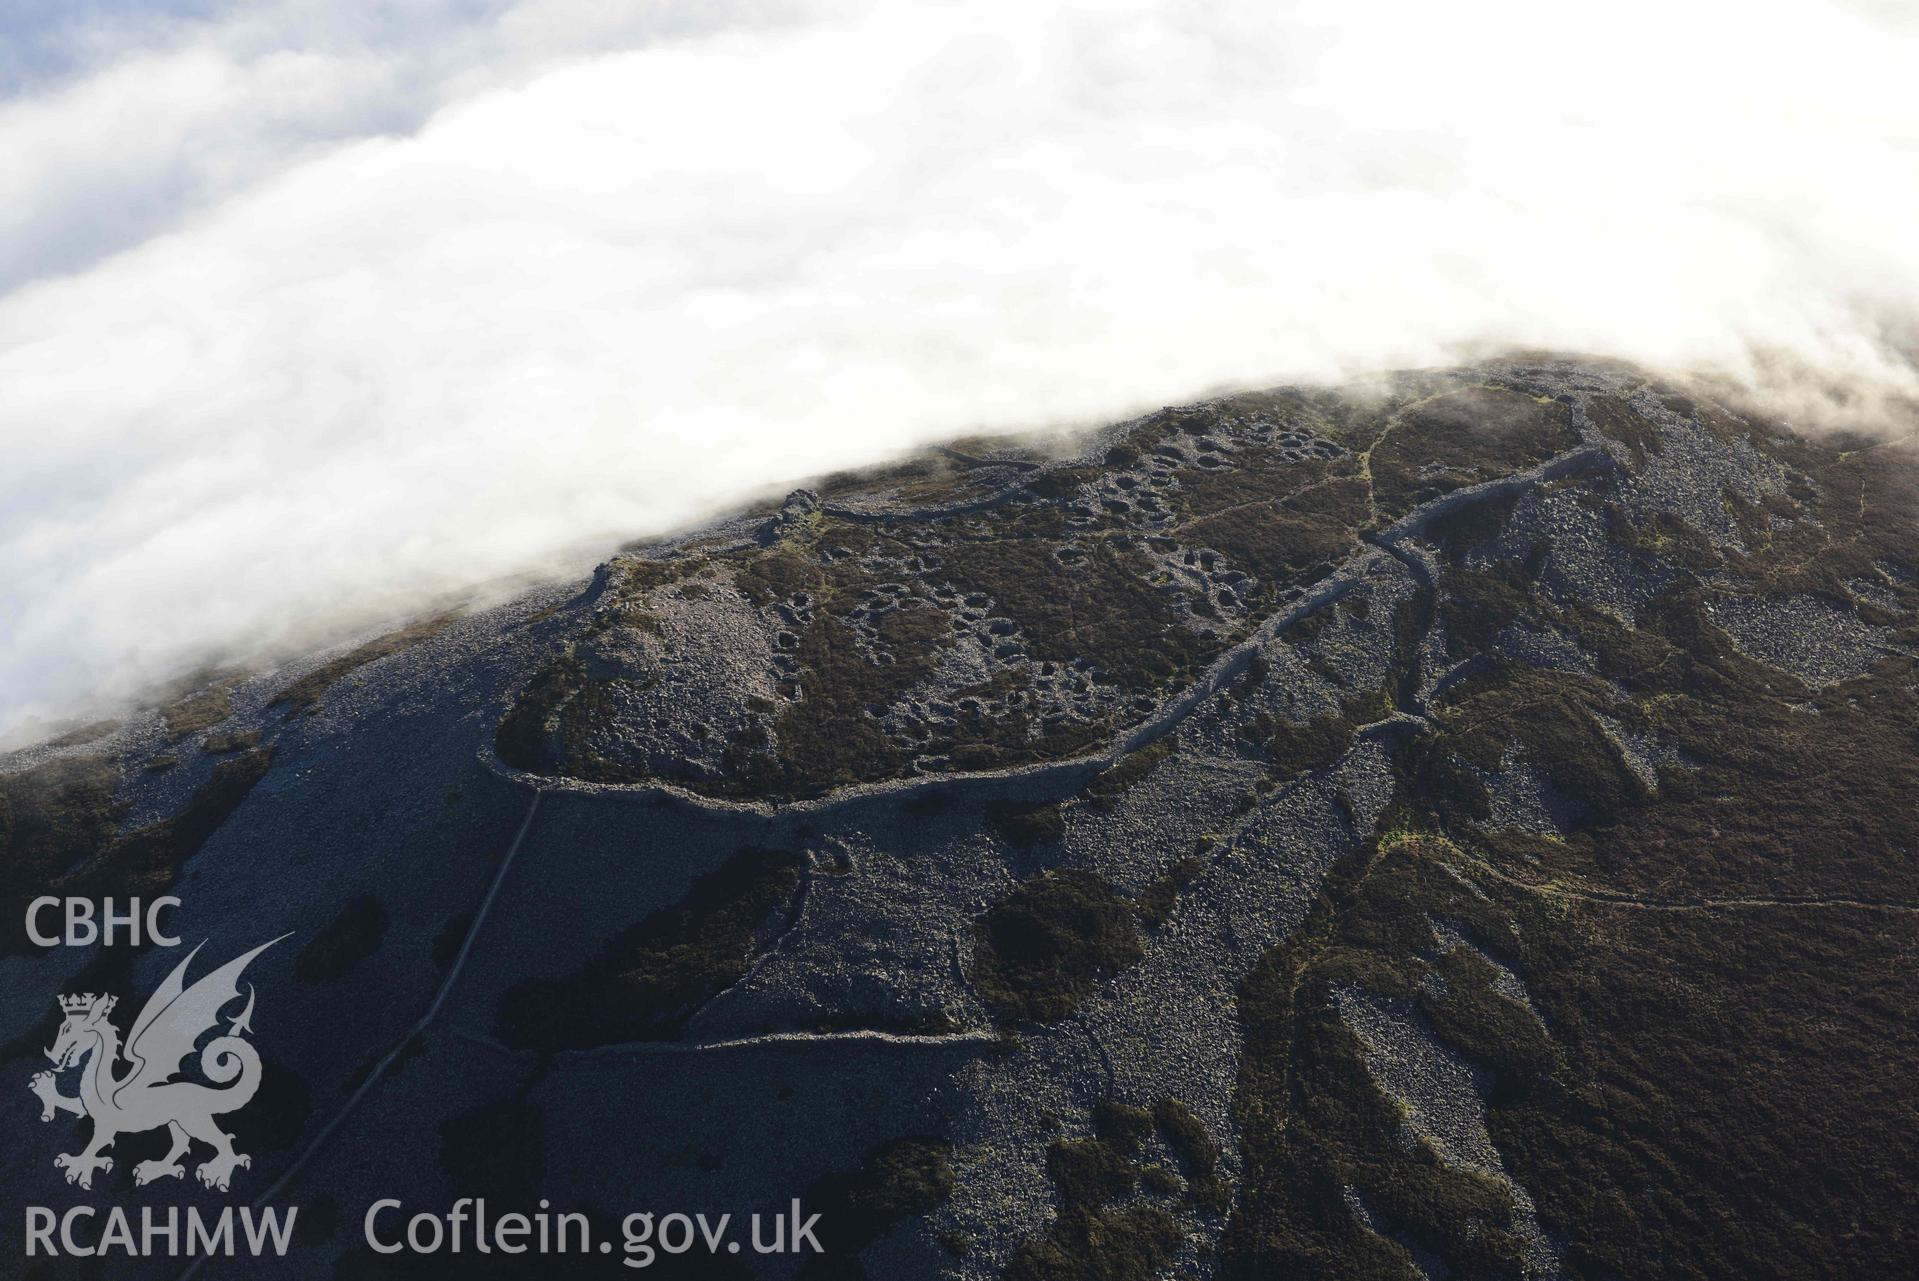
1603	898
1227	667
1223	670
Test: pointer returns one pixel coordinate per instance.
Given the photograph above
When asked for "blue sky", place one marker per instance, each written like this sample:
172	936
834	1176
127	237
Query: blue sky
42	39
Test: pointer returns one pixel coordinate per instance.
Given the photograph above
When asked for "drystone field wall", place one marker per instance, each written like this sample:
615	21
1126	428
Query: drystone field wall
1458	826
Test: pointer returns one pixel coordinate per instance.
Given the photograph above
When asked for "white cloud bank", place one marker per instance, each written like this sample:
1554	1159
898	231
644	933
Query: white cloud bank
305	319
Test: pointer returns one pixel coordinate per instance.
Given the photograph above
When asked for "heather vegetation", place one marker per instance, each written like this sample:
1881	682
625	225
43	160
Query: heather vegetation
344	942
1715	948
1043	949
972	614
652	977
898	1180
59	833
199	710
1530	893
1120	1208
302	697
1461	437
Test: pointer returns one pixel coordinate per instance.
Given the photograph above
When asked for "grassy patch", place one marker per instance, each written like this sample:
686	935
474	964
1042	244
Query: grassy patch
1116	1220
1156	902
1287	542
302	697
826	738
1617	419
1024	826
345	941
1300	749
1042	949
1715	995
1186	1135
1554	720
238	741
1475	606
81	735
1130	1244
1461	438
651	979
1130	771
897	1181
523	737
1706	1055
52	817
59	834
1312	1121
200	710
1121	1126
1104	610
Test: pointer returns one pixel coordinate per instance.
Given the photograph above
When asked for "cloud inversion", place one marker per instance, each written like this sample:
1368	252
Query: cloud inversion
306	316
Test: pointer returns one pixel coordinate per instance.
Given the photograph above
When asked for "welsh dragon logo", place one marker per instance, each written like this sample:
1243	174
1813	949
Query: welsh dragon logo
145	1095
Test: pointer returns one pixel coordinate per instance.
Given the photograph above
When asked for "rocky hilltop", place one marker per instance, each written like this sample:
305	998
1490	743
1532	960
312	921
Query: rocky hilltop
1456	826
